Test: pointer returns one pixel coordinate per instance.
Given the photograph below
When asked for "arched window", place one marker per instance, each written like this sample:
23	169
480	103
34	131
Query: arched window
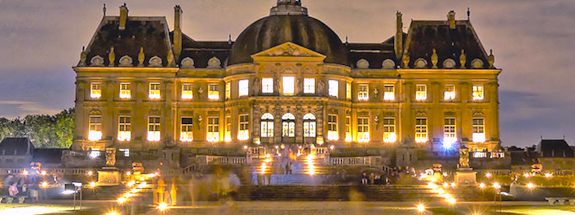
267	124
288	125
309	125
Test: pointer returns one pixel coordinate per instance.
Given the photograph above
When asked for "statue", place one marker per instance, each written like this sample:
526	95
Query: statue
111	57
170	58
463	157
405	61
83	56
462	59
141	57
110	157
434	59
491	59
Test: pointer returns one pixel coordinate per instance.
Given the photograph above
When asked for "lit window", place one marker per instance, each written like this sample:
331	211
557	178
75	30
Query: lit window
421	92
348	90
363	92
94	154
421	130
126	152
267	85
333	88
125	92
449	93
213	93
288	125
348	129
186	129
478	92
124	128
389	92
154	128
95	128
288	85
479	154
244	87
449	132
95	90
228	93
309	125
187	91
213	129
389	135
363	129
243	133
154	92
332	127
267	125
309	85
228	131
478	130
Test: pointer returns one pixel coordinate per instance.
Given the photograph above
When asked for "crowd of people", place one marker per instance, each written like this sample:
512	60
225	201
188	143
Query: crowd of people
20	187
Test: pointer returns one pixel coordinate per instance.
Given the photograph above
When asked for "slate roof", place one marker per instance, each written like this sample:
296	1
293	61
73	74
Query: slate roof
524	157
48	156
16	146
554	148
202	51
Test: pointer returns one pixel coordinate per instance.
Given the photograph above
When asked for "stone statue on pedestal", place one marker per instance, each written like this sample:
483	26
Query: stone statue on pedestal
463	157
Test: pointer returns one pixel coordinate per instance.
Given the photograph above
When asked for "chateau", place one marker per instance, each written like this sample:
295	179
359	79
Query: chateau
287	81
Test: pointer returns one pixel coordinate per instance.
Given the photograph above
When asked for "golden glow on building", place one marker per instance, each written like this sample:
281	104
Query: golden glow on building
125	92
421	92
95	90
449	94
213	92
187	92
154	91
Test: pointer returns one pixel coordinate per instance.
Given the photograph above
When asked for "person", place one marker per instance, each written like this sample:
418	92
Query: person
371	178
34	195
364	178
13	190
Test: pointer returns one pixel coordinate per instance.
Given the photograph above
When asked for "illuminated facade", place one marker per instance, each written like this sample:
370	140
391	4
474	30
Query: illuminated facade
287	79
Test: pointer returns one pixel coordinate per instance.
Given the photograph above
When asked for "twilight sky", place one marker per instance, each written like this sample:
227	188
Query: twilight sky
533	42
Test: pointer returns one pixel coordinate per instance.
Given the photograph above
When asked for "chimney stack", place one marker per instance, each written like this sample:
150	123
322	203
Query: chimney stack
451	19
398	46
123	16
177	31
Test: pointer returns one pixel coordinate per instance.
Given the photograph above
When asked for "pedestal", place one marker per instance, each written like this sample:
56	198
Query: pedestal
109	176
466	176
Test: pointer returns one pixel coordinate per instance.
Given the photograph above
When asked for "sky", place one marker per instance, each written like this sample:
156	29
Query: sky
533	42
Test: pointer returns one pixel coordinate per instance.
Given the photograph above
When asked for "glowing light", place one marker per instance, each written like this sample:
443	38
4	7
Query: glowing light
482	186
478	137
153	136
448	142
453	184
113	213
44	185
228	137
94	135
420	208
445	185
90	173
310	164
530	186
526	175
496	185
142	185
332	135
124	135
548	175
128	173
243	135
488	175
130	183
332	147
92	185
389	137
25	172
213	137
162	206
421	139
121	200
451	201
363	137
263	168
43	172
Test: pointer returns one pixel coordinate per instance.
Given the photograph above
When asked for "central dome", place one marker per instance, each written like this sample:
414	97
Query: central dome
283	26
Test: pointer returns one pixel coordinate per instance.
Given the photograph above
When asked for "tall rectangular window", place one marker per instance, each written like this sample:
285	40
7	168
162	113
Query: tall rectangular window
348	129
213	92
449	132
228	129
420	92
363	129
449	92
95	128
389	135
154	91
187	91
363	92
388	92
478	130
421	130
228	90
333	88
124	128
267	85
288	85
478	92
244	88
125	92
95	90
348	90
213	129
154	128
309	85
332	133
243	133
186	129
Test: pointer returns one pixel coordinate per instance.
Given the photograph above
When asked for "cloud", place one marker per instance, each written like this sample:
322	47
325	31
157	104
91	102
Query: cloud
22	108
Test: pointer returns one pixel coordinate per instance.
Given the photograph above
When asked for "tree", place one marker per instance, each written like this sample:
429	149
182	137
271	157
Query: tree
45	131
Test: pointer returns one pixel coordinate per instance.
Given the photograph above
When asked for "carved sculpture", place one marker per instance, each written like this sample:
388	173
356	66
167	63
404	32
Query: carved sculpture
110	157
491	59
112	57
405	60
434	59
83	57
463	157
141	57
462	59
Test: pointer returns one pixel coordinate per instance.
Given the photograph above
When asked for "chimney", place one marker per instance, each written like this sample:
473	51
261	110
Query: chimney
398	46
177	31
451	19
123	16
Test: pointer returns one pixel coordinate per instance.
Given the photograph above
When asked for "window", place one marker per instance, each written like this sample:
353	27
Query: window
244	87
478	130
388	92
348	129
332	127
421	130
348	90
126	152
267	85
95	128
213	129
243	133
389	135
449	135
154	128
124	128
228	93
95	90
288	85
288	125
309	125
309	85
479	154
478	93
187	91
363	129
228	130
421	92
154	91
186	129
213	92
363	92
125	92
267	125
449	92
333	88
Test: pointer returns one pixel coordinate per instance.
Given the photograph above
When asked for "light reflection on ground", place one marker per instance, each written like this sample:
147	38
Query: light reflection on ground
26	209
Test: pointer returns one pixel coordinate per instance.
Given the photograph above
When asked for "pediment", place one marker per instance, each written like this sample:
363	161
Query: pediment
288	52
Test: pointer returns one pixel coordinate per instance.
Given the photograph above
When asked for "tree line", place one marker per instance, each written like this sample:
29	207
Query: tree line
45	131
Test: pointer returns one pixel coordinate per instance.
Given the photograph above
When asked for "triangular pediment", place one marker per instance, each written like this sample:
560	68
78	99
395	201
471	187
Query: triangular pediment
288	52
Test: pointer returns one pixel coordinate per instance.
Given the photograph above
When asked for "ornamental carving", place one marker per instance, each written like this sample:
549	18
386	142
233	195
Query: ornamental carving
187	63
214	63
126	61
155	62
420	63
477	63
449	63
388	64
97	61
362	64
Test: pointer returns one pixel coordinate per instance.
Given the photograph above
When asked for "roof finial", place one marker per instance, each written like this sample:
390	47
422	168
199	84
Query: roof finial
468	14
346	40
104	9
229	38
